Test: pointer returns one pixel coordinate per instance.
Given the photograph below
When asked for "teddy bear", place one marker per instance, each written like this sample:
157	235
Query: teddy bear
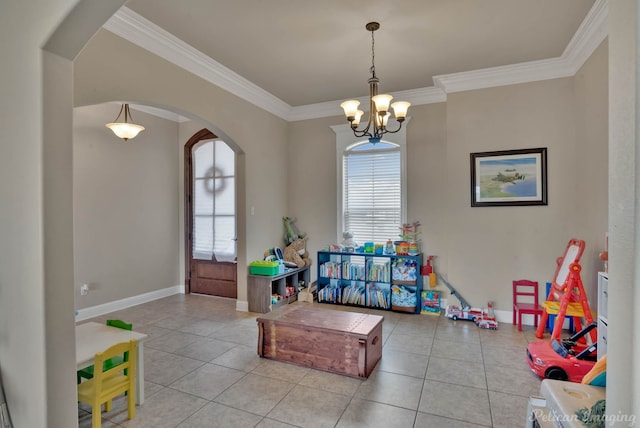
297	253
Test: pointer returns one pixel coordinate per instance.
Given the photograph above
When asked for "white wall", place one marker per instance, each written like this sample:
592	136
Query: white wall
126	206
623	360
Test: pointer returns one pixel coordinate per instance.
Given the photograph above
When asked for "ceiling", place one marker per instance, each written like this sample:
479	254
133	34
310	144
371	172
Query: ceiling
304	52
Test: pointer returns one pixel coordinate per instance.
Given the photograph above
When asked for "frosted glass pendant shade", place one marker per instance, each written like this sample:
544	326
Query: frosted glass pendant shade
125	130
400	109
350	108
382	102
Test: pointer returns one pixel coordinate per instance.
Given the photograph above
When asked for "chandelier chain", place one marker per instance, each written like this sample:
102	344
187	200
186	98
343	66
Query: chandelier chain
373	56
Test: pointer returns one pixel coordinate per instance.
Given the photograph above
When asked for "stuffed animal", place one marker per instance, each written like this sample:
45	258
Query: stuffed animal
348	242
297	253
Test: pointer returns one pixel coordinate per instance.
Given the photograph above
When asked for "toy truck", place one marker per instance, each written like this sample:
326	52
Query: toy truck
465	313
483	318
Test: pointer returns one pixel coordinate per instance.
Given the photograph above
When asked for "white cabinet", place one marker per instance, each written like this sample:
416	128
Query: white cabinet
603	320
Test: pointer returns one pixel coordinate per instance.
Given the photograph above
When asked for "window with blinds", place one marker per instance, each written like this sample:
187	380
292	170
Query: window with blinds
372	191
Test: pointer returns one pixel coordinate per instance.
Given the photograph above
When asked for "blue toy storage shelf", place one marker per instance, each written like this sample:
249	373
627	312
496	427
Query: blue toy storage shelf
380	281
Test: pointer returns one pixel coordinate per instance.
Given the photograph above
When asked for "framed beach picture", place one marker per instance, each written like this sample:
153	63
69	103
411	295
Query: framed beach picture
509	177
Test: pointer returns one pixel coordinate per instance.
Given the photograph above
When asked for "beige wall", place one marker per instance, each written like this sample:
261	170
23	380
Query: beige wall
623	361
57	198
489	247
125	207
426	172
257	134
36	262
22	217
311	186
481	250
591	157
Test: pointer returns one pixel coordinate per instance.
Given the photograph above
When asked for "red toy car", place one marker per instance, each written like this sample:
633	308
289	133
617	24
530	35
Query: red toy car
566	360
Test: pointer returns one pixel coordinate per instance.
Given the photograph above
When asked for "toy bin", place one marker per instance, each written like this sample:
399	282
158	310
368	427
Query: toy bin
261	267
404	299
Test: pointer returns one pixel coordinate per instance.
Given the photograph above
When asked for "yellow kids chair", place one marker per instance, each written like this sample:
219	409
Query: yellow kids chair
109	383
87	372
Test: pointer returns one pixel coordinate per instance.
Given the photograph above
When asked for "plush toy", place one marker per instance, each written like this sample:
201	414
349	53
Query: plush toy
348	242
297	253
291	232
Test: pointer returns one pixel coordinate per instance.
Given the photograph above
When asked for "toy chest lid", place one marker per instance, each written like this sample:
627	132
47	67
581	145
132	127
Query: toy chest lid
263	267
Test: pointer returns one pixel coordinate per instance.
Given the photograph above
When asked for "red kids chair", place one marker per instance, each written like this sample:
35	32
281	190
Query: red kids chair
525	301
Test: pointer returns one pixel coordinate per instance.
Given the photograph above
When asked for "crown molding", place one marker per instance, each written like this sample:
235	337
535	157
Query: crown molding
591	33
142	32
584	42
158	112
506	75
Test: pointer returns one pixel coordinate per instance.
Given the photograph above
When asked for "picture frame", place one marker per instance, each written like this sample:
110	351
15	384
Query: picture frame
509	178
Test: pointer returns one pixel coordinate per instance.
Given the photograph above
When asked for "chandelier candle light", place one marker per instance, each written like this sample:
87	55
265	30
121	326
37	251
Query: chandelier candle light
378	104
125	130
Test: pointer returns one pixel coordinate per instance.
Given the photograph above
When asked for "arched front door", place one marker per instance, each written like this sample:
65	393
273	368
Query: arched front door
210	216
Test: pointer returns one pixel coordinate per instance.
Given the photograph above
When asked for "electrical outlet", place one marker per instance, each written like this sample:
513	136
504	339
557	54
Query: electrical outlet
84	289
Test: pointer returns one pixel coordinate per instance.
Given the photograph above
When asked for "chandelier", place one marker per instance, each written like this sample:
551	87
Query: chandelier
378	104
125	130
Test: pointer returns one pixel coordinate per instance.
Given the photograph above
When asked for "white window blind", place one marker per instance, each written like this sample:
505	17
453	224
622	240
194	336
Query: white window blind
372	191
214	201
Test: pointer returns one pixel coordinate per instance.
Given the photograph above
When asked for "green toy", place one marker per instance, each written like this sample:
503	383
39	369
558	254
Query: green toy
594	417
291	232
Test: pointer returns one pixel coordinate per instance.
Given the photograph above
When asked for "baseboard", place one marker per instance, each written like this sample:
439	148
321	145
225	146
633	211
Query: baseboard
506	317
242	305
105	308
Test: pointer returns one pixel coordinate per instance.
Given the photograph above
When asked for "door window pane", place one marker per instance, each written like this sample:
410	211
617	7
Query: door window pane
214	202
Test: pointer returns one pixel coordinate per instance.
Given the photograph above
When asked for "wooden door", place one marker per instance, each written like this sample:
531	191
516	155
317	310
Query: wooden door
210	219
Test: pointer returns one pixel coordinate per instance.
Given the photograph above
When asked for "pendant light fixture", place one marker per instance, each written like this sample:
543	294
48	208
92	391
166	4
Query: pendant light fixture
126	129
378	104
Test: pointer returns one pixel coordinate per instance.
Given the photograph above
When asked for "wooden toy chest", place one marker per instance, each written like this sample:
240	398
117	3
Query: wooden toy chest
341	342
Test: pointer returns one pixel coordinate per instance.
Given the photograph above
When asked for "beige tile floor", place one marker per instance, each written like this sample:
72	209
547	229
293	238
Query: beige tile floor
202	370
